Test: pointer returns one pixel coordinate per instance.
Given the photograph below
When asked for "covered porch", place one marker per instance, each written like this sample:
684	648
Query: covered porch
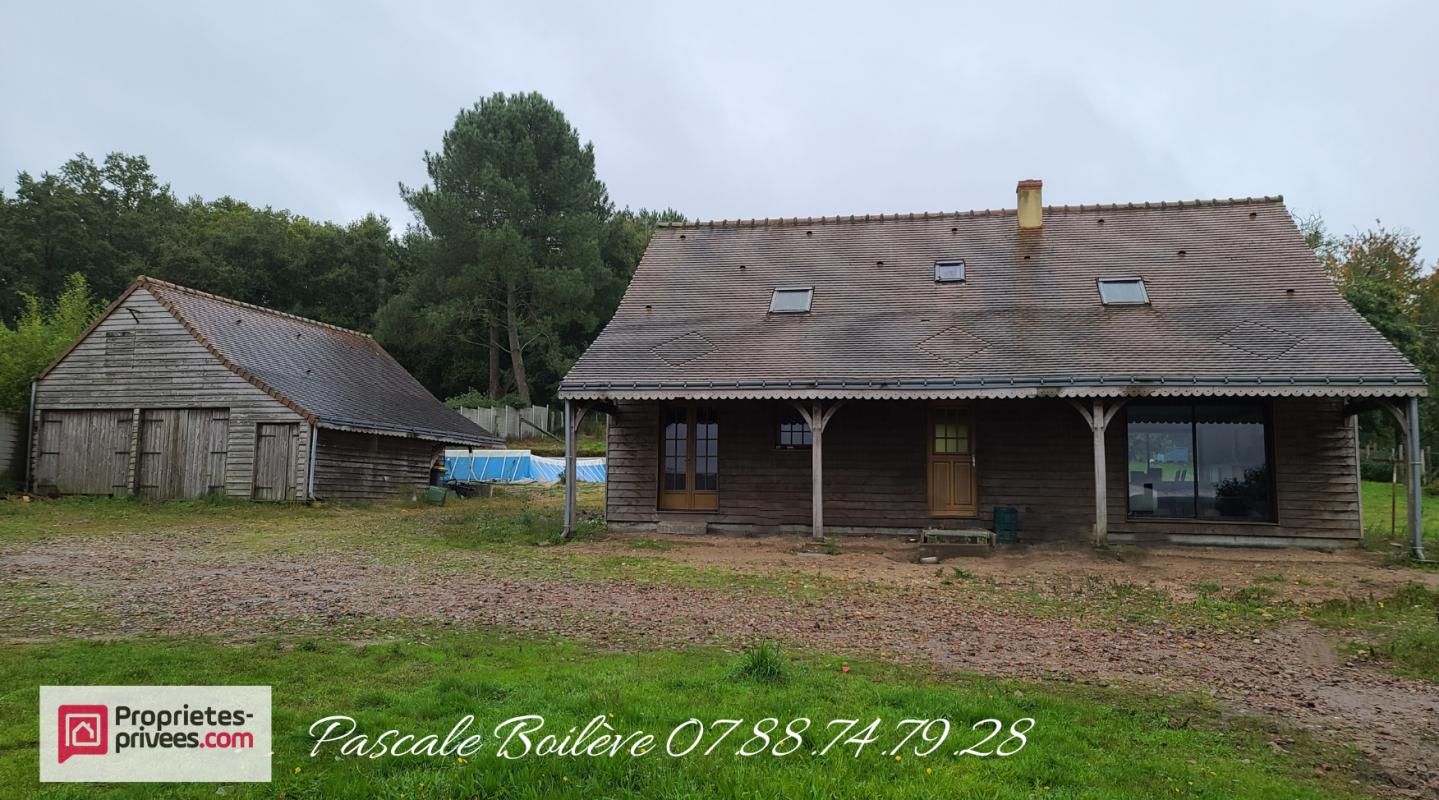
1259	471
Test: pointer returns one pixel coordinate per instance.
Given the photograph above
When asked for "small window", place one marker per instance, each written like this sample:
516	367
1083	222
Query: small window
791	301
1123	292
792	432
949	272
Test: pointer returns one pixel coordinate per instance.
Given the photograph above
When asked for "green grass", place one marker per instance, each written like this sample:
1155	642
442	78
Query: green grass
1380	534
1085	743
1402	630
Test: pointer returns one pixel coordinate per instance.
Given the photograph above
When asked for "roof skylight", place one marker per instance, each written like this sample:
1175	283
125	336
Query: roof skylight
791	300
949	271
1123	292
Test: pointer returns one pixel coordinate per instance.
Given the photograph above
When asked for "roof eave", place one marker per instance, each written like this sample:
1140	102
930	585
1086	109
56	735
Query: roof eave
1296	386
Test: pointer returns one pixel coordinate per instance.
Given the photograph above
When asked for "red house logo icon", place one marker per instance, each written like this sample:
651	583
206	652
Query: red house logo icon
84	731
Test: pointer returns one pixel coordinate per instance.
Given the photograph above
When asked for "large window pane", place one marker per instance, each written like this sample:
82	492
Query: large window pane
1204	461
1161	462
706	449
676	443
1233	463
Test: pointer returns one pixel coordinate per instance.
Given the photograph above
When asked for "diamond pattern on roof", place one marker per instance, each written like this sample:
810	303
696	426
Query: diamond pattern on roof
1260	340
683	349
953	344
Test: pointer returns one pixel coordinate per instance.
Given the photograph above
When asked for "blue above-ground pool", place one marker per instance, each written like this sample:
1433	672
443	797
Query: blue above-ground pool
516	466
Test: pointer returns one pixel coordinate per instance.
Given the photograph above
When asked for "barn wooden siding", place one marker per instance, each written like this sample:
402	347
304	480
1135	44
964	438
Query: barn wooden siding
12	452
359	466
1034	455
141	362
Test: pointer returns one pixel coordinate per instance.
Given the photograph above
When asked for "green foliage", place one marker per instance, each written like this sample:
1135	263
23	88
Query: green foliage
1382	274
1401	630
39	336
474	398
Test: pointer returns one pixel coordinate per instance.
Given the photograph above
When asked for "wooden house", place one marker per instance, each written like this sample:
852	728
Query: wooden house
1181	372
177	393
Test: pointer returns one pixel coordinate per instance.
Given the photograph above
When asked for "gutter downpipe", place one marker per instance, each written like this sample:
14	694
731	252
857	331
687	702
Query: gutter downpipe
310	464
30	434
1416	480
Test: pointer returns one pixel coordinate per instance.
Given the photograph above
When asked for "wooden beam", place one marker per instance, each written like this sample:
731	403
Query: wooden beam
817	417
1098	417
570	496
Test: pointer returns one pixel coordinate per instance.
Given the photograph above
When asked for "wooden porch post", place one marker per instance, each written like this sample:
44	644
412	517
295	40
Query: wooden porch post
570	496
1416	479
1098	418
817	417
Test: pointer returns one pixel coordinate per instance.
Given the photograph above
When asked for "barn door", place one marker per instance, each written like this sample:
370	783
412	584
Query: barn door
84	452
275	460
951	462
182	452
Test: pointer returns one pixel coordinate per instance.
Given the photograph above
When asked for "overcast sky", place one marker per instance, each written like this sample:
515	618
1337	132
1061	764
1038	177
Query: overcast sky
728	110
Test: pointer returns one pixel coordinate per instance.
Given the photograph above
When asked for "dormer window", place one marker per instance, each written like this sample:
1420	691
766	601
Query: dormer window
949	272
1123	292
791	300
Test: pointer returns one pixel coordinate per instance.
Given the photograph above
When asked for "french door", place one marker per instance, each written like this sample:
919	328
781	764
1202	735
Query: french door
689	458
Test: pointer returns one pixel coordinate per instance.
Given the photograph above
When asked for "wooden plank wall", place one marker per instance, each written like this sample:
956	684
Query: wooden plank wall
1034	455
12	467
141	357
359	466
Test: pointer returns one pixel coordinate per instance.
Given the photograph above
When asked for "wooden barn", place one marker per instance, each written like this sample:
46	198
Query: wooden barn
1178	372
177	393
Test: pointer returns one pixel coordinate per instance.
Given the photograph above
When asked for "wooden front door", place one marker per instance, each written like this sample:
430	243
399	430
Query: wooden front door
952	490
275	460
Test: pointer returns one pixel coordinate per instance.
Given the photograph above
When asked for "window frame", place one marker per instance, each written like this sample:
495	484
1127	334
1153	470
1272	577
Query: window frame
782	417
954	262
778	290
689	498
1266	408
1143	291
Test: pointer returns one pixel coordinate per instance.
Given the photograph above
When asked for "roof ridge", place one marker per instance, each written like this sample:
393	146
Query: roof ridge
147	280
985	212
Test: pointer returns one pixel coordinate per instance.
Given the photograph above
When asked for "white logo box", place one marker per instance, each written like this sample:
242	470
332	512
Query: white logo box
170	734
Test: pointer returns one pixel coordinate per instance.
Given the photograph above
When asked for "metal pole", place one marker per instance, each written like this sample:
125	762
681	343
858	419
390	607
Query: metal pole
1416	481
569	469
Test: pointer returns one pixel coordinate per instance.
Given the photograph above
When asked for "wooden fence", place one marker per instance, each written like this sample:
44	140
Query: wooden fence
513	423
1397	460
535	422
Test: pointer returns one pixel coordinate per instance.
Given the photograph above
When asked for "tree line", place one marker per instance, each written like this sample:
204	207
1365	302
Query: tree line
516	259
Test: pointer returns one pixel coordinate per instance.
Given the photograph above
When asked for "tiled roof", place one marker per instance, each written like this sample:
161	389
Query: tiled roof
340	378
1238	305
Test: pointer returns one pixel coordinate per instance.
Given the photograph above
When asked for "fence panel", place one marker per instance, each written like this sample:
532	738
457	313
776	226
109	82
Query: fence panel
511	423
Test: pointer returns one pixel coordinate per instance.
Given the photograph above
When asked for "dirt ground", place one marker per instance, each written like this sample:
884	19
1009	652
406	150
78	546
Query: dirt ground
151	583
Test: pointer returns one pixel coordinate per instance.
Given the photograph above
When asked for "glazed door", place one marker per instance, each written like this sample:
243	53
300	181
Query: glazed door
689	458
951	462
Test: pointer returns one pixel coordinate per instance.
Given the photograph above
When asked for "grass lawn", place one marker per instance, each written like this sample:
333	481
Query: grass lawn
1378	516
1084	743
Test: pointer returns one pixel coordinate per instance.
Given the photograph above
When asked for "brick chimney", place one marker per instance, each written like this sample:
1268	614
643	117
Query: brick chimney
1031	204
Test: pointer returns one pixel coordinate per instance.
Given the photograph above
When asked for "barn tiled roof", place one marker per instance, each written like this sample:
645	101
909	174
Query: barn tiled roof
1239	305
340	378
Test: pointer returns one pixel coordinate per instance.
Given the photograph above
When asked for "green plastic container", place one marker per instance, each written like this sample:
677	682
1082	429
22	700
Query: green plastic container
1006	524
435	495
